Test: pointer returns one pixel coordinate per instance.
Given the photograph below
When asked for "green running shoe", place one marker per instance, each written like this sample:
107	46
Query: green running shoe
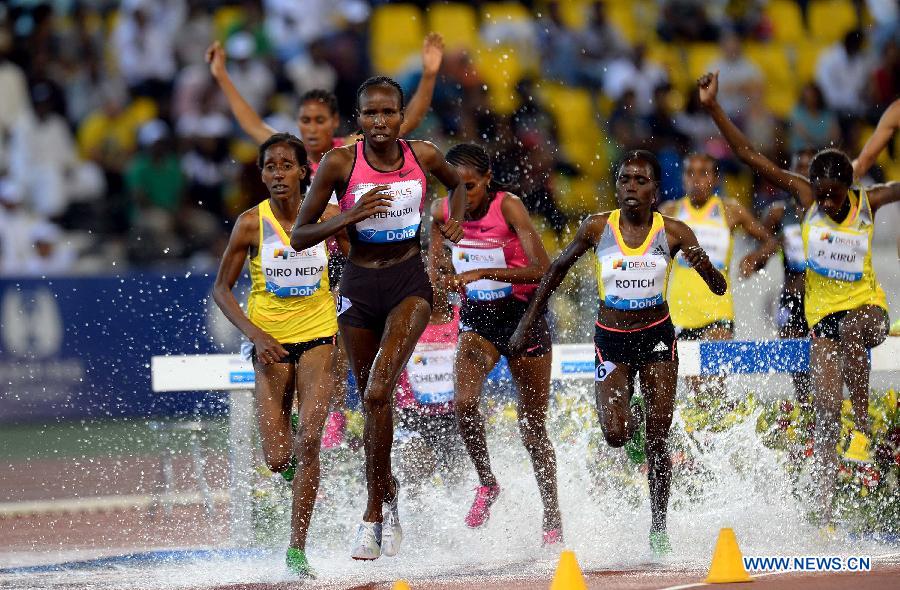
634	448
290	470
659	543
288	474
297	564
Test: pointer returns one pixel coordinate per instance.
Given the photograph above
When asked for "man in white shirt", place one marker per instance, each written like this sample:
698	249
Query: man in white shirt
637	74
739	77
842	73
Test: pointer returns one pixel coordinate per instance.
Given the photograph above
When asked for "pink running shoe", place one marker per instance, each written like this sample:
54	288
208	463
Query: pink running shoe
552	537
481	507
334	431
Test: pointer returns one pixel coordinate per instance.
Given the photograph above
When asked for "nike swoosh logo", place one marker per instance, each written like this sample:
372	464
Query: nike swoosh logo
404	173
535	347
484	229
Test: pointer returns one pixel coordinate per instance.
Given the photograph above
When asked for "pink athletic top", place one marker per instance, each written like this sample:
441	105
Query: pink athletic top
314	166
407	187
489	242
431	365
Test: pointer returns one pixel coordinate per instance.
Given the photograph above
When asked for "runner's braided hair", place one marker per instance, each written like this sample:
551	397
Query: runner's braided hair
831	164
299	151
475	157
323	96
380	81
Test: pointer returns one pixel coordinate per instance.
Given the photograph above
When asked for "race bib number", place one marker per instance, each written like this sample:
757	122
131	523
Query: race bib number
400	222
633	282
289	273
469	258
603	370
793	248
837	254
430	372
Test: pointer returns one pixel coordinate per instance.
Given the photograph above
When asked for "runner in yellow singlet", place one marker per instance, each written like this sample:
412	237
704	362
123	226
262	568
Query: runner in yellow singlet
291	322
697	313
845	305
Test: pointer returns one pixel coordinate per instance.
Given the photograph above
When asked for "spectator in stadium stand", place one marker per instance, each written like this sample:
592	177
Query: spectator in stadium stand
13	93
626	127
311	70
250	76
812	124
44	162
15	229
738	75
154	177
638	73
843	73
144	45
886	77
685	20
600	42
50	254
558	45
207	164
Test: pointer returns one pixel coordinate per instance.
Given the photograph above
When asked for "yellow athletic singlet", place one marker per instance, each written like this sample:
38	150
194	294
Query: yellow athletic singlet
289	296
839	273
691	303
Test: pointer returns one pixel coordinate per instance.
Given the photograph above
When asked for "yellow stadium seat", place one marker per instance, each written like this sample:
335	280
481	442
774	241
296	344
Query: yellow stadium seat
621	14
806	56
395	36
672	59
574	12
499	12
501	69
739	187
779	79
456	22
830	20
787	20
699	58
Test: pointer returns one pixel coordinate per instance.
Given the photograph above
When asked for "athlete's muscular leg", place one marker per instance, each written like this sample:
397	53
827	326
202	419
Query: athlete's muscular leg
658	386
612	393
378	365
274	392
826	360
532	378
861	329
314	383
475	357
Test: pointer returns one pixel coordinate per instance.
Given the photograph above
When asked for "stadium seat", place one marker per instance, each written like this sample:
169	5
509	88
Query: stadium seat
830	20
577	196
621	14
787	20
806	56
699	58
672	59
498	12
458	23
396	36
500	68
780	81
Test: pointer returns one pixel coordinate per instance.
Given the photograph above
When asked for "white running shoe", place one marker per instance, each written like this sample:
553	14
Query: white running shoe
367	545
392	534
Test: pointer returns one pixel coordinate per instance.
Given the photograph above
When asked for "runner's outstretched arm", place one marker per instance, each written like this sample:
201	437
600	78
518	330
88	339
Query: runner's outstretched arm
795	184
887	126
246	117
432	55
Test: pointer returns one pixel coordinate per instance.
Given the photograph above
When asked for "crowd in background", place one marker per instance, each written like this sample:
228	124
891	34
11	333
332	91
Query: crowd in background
117	150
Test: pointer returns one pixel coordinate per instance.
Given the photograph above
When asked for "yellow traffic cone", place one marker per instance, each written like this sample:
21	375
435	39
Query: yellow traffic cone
858	449
568	575
727	562
400	585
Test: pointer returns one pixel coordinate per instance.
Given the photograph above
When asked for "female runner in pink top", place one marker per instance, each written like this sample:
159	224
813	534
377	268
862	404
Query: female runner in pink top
385	293
498	264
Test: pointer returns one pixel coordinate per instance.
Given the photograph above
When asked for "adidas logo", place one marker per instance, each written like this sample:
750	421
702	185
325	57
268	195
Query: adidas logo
658	251
660	347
